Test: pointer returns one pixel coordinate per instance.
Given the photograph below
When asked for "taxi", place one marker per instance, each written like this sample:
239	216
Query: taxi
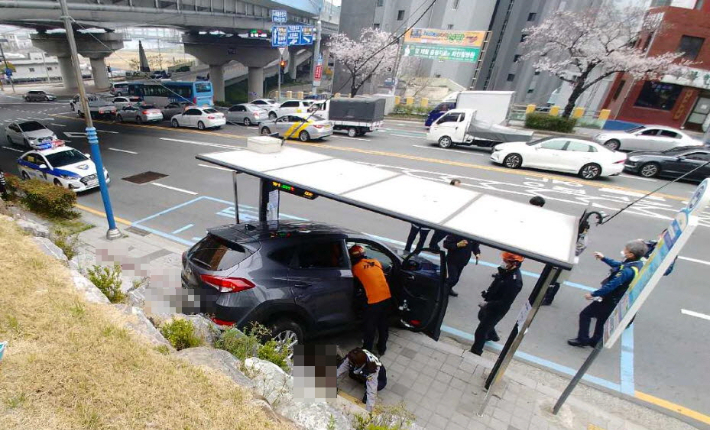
60	165
302	127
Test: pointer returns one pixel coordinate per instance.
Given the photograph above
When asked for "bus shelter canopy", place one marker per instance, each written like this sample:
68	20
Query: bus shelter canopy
536	233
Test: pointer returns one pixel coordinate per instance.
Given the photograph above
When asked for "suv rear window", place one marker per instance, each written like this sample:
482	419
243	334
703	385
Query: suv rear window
214	253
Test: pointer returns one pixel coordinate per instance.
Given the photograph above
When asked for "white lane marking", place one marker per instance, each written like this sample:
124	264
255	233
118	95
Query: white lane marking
630	193
404	135
57	125
62	113
450	150
192	193
695	314
638	178
123	150
214	167
12	149
694	260
193	142
107	131
351	138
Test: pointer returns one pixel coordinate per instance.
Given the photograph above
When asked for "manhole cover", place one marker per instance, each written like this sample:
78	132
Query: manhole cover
145	177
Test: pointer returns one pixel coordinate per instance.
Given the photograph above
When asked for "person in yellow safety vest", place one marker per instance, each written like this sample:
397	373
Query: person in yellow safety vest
613	288
369	272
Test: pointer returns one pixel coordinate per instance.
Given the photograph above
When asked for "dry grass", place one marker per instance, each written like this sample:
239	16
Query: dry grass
70	365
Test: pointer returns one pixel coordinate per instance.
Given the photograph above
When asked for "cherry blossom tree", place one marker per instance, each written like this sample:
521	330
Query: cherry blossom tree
582	48
372	55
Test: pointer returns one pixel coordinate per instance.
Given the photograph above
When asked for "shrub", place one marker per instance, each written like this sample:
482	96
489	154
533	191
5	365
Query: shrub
543	121
66	242
180	333
255	342
43	198
108	280
385	417
12	184
223	104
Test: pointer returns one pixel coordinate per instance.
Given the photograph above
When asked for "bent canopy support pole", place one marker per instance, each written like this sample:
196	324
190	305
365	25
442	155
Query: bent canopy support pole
236	196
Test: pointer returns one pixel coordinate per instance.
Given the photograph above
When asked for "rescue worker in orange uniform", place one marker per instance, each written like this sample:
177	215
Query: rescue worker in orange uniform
369	272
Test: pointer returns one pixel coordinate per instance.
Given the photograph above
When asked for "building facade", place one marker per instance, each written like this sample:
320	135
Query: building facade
36	67
684	101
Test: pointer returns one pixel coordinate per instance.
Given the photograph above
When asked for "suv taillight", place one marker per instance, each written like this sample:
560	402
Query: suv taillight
227	285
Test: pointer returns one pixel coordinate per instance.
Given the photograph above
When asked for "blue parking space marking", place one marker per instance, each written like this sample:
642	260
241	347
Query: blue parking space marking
226	209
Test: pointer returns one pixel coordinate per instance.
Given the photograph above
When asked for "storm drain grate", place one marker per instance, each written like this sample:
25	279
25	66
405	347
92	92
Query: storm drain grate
138	231
144	178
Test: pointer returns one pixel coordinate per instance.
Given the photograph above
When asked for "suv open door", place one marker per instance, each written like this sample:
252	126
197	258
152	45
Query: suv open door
422	297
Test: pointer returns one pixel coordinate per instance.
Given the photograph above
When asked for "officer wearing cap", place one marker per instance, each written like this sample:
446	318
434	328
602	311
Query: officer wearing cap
369	272
498	298
365	367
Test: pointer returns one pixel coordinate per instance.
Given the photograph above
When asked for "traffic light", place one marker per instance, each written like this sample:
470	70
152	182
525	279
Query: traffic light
283	64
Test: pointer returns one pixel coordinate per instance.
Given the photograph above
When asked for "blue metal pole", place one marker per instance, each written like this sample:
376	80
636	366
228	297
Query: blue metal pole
93	138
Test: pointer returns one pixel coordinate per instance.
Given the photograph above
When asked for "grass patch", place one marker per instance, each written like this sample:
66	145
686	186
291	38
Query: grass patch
65	372
181	334
249	344
385	417
108	280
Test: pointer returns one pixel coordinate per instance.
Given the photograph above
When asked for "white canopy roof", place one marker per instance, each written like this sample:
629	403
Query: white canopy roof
540	234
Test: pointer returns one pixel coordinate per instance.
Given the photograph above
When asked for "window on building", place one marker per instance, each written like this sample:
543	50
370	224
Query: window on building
532	16
531	90
660	3
699	4
456	4
690	45
400	15
380	3
450	26
537	72
49	69
516	58
658	95
511	77
376	25
647	43
32	69
523	37
617	93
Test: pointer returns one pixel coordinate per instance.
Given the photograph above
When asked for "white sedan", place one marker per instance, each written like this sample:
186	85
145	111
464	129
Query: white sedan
646	138
60	165
585	158
201	118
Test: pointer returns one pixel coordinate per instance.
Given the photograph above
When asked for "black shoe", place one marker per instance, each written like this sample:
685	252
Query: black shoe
494	338
577	342
473	351
453	293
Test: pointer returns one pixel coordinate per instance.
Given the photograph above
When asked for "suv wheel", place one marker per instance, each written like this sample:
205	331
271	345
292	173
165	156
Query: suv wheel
287	333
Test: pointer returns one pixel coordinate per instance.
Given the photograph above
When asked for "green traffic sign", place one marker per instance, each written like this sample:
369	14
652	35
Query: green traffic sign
440	52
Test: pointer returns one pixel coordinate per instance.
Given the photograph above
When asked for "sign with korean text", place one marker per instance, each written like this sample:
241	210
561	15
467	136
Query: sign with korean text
669	245
439	52
279	16
292	35
698	78
434	36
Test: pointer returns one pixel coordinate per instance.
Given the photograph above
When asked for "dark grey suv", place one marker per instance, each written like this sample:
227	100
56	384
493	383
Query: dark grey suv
296	278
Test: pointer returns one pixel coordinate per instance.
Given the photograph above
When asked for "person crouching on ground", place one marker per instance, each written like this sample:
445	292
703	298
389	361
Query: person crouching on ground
363	366
499	297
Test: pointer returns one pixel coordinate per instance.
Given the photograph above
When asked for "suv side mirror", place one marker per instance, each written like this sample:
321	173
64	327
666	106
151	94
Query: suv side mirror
681	158
411	265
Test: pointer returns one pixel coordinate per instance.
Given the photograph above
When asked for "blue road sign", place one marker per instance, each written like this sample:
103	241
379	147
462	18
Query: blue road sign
279	16
292	35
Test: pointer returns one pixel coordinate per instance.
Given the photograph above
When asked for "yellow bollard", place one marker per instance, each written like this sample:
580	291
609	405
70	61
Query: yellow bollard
604	114
397	100
578	112
299	95
555	110
409	101
530	109
337	95
424	102
289	94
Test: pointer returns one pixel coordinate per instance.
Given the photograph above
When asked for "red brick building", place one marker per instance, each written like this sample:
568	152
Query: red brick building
677	102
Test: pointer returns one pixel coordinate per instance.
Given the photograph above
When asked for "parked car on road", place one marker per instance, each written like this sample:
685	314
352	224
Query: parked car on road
295	278
246	114
174	108
290	107
60	165
265	103
139	114
201	118
98	107
671	163
120	102
297	127
28	133
39	96
646	138
160	74
119	89
585	158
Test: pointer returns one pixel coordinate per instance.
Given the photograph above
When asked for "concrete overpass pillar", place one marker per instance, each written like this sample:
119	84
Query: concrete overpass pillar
256	83
217	79
100	74
292	63
66	68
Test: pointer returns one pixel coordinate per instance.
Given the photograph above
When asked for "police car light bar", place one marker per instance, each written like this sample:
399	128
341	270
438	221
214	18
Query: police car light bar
51	145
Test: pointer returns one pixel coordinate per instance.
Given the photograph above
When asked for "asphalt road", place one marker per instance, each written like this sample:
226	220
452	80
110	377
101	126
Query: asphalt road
664	356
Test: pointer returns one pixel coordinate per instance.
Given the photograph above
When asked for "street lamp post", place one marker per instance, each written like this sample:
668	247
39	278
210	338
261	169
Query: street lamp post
113	232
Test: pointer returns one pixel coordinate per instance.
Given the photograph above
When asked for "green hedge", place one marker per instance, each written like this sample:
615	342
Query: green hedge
44	198
543	121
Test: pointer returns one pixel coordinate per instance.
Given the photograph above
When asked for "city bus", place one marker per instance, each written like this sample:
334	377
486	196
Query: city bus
198	93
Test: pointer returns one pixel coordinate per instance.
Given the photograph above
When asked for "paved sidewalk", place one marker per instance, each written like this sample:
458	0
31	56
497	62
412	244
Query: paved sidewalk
440	382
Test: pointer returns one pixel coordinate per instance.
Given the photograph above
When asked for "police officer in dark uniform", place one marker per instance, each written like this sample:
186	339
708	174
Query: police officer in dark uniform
604	299
501	294
459	252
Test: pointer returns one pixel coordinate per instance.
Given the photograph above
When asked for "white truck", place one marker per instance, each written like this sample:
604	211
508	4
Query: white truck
463	127
492	106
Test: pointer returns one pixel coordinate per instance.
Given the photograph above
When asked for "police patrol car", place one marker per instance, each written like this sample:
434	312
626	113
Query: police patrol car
60	165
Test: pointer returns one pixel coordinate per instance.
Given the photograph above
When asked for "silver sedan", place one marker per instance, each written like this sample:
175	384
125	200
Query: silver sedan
296	127
139	114
646	138
246	114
